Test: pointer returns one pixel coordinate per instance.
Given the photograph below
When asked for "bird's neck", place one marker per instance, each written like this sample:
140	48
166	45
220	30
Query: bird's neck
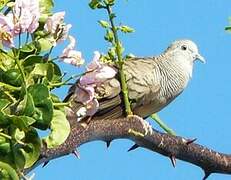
175	76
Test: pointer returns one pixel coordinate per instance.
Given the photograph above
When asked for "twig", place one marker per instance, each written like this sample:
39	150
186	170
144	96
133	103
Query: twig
167	145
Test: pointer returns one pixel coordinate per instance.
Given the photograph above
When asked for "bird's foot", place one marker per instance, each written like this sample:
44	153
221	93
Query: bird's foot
146	126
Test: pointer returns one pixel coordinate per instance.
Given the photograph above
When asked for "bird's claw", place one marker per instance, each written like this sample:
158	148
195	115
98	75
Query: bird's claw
146	126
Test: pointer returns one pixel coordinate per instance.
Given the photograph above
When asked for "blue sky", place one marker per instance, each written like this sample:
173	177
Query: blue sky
202	111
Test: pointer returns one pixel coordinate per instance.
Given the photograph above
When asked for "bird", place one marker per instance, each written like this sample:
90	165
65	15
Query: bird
153	82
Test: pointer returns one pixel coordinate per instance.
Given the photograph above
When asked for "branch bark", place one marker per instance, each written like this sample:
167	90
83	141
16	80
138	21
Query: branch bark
137	130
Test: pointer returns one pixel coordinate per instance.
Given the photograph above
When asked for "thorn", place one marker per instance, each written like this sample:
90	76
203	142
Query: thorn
207	174
108	143
135	146
190	141
76	153
45	163
173	160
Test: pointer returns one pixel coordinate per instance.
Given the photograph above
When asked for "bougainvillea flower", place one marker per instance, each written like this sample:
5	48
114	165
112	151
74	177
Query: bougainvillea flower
26	16
95	63
71	56
85	94
97	72
54	21
92	107
6	30
56	27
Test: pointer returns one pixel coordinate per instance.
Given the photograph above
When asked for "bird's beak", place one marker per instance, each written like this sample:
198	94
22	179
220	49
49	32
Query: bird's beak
200	58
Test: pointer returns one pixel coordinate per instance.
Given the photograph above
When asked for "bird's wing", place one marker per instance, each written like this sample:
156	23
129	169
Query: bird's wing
108	96
143	80
143	85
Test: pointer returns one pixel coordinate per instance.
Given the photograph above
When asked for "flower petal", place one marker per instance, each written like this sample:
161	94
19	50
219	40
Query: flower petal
53	22
95	63
92	107
84	95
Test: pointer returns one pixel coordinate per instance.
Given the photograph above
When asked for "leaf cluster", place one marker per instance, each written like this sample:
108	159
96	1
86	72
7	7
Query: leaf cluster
27	103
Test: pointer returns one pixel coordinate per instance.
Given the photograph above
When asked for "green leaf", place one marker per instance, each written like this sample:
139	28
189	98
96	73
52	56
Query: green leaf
31	151
39	92
95	4
46	70
109	36
6	61
57	76
27	50
18	134
4	147
7	172
22	122
19	159
26	107
60	130
45	44
4	103
32	60
12	77
126	29
46	6
43	114
110	2
112	15
228	28
3	120
112	53
104	24
120	47
3	4
44	106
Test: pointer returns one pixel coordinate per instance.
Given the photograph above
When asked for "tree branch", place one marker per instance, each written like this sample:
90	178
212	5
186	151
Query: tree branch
137	130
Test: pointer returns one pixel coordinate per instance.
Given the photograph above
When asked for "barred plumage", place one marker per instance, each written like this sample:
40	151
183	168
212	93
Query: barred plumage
153	82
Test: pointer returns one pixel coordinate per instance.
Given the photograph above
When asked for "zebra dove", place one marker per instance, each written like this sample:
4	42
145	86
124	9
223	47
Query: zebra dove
153	82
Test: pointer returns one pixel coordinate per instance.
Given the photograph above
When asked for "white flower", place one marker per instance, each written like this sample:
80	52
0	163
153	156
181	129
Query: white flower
6	30
26	15
97	73
71	56
57	28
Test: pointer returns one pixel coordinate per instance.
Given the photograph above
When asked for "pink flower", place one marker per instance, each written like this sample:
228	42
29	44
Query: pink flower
71	56
6	30
53	22
85	94
92	107
97	72
95	63
26	16
55	26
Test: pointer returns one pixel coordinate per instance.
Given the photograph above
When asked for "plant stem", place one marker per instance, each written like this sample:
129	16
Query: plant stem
10	87
157	119
21	71
66	81
61	104
120	62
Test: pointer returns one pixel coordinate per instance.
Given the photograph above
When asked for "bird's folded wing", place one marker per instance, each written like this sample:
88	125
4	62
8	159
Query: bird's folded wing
143	86
143	80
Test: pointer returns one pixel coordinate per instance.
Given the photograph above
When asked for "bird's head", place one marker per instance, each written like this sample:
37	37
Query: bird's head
184	53
186	48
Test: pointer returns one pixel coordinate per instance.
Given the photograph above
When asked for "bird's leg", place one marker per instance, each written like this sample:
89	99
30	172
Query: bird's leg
157	119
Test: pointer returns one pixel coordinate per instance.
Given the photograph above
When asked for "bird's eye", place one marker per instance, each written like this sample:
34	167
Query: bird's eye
184	47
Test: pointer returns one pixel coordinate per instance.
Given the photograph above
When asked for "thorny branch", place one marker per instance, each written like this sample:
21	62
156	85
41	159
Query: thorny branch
137	130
